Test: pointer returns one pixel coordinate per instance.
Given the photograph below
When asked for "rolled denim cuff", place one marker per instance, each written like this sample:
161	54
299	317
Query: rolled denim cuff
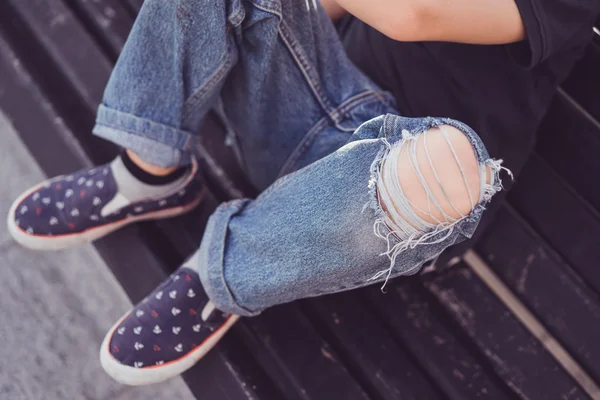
155	143
211	266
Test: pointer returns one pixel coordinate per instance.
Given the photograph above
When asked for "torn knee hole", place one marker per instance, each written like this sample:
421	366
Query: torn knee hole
430	179
424	185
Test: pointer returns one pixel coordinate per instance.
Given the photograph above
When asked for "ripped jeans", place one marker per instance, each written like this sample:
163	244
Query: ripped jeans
352	193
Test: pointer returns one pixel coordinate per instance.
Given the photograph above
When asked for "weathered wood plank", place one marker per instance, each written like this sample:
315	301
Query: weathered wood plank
561	299
71	49
414	317
515	354
35	117
108	21
64	61
297	358
368	349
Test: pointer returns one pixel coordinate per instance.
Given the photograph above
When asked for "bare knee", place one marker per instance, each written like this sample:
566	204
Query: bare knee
438	176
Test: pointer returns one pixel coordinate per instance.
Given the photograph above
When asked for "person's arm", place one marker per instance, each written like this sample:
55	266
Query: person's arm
464	21
333	9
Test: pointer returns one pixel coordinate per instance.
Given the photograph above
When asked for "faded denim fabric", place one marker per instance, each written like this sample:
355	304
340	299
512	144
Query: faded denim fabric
311	232
310	130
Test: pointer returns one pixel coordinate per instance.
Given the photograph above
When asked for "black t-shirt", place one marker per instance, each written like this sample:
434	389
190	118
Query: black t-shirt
502	91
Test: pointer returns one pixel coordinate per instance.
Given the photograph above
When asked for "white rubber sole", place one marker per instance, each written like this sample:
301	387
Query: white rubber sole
154	374
59	242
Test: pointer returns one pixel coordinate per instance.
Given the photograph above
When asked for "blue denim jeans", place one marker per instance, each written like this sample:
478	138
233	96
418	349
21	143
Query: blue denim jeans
312	131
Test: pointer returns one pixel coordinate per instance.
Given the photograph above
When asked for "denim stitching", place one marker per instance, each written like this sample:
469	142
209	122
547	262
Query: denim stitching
237	16
221	269
153	137
310	137
352	103
366	96
305	143
111	116
307	70
273	7
363	96
388	126
196	98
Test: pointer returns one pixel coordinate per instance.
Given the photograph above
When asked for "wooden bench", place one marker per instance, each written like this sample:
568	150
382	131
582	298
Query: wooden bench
519	318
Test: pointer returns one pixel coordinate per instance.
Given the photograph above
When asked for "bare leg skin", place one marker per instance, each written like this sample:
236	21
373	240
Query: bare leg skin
151	169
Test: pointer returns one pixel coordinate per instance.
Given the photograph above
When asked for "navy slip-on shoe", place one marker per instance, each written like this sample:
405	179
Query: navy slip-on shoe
165	334
67	211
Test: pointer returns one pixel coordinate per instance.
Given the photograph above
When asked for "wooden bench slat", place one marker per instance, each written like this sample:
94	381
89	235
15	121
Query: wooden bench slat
414	317
35	117
71	49
560	299
297	358
515	354
109	22
368	349
64	61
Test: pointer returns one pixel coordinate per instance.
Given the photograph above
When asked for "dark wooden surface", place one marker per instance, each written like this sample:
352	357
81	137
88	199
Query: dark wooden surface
445	335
